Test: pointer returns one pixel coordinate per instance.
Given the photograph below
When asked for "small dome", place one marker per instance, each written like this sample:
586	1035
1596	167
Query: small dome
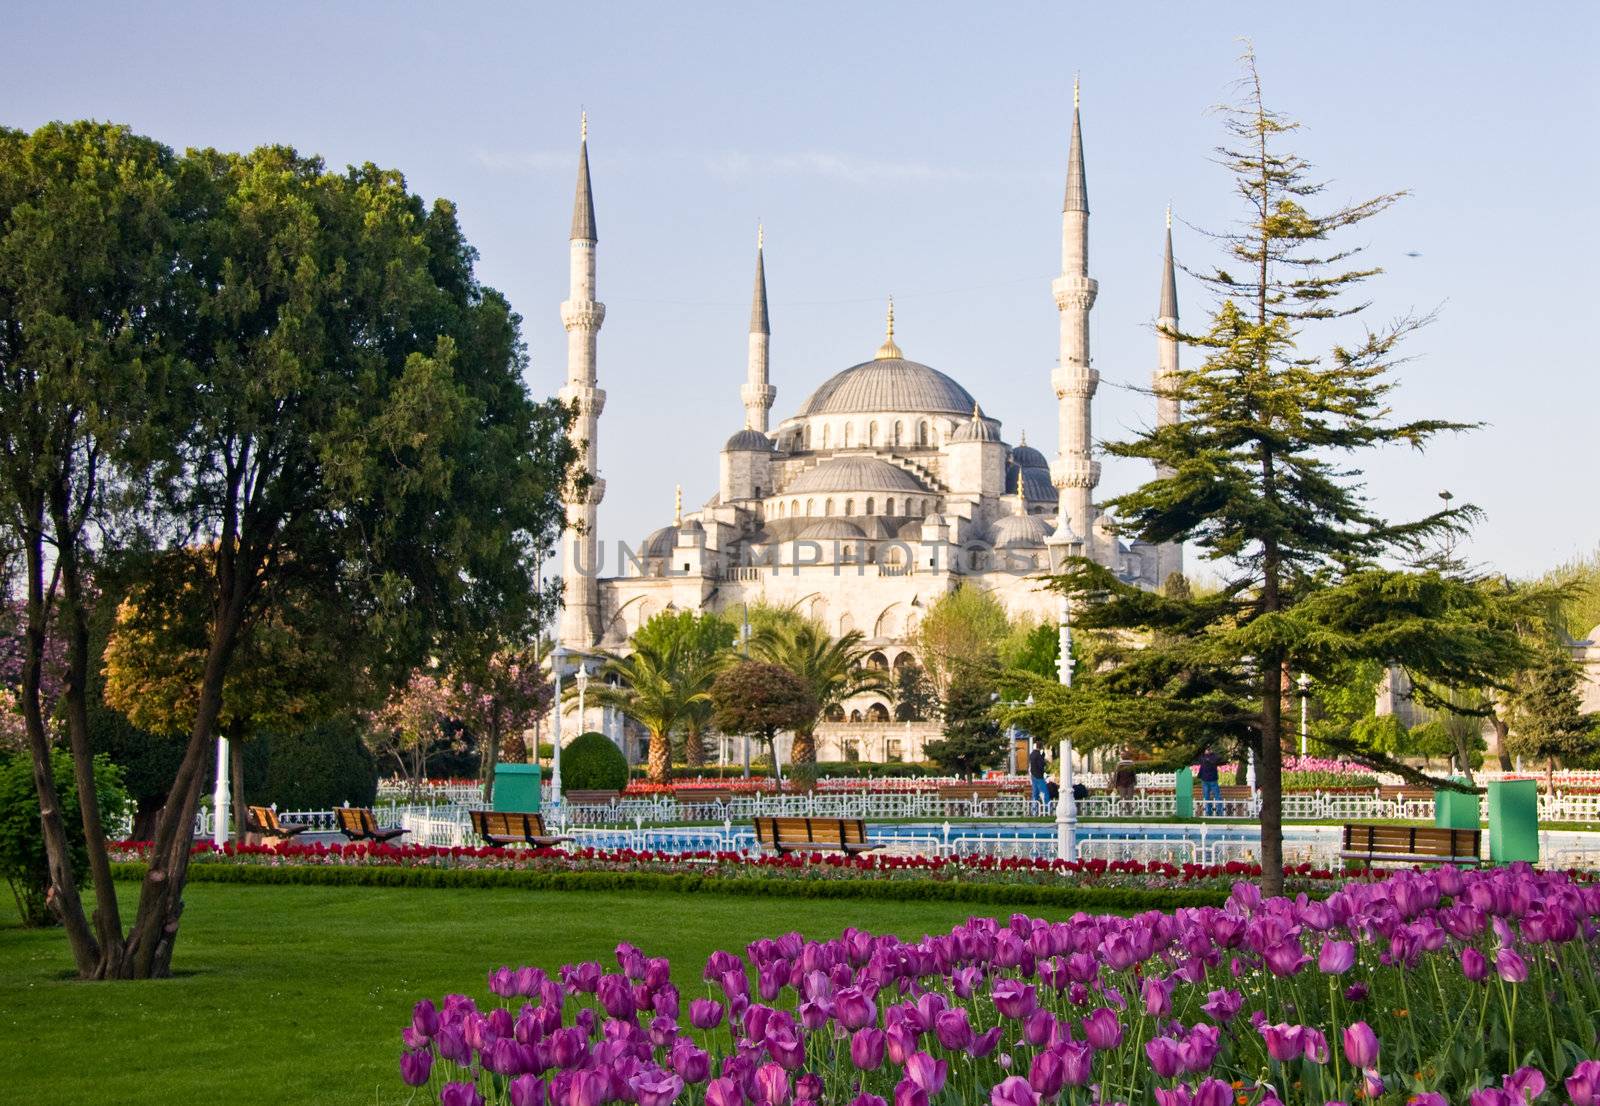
832	529
855	474
1020	530
660	542
750	441
1036	484
911	531
977	429
1026	457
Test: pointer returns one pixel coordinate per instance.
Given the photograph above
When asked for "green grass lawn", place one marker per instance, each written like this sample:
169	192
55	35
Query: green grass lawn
298	994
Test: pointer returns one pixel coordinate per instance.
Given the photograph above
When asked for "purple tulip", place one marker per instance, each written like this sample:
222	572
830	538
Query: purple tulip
1047	1073
984	1043
772	1085
1013	1090
866	1049
528	1090
808	1088
1197	1051
1336	957
1511	966
1284	1042
1361	1046
1157	995
1371	1085
1356	992
854	1008
902	1041
693	1064
1077	1063
1583	1085
724	1092
926	1072
1039	1027
425	1018
953	1028
453	1045
1213	1092
460	1094
869	1100
1102	1029
705	1013
590	1087
1164	1058
1473	965
907	1093
656	1088
1428	1098
1223	1006
1013	999
1524	1085
415	1067
1316	1044
1285	958
503	982
503	1057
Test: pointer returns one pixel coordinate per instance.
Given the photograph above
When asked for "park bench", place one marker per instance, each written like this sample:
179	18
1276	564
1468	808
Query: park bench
1379	844
358	824
263	820
580	797
981	790
509	827
844	835
698	795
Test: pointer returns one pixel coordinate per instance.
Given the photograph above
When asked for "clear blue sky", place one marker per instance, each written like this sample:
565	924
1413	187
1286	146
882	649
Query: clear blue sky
919	149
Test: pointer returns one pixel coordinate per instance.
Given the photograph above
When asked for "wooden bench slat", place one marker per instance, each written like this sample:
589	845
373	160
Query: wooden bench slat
1411	844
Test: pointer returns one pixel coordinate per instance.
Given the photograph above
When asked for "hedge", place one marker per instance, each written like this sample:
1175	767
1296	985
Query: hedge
921	890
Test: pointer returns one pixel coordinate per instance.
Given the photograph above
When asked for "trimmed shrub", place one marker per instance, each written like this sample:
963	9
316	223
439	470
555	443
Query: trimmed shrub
23	862
592	762
317	768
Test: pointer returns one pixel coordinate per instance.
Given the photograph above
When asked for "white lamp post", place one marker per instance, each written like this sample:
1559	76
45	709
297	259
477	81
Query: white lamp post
557	660
219	797
1304	684
1063	546
744	637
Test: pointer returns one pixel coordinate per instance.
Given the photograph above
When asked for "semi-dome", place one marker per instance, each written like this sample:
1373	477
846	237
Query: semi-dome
888	384
1020	530
855	474
748	440
832	529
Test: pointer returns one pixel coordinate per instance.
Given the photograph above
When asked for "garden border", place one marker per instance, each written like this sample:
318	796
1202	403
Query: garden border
983	894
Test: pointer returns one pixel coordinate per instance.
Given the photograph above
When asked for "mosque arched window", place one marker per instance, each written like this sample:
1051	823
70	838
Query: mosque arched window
870	502
899	431
849	506
807	433
794	509
872	433
888	506
922	433
826	436
810	506
827	506
849	434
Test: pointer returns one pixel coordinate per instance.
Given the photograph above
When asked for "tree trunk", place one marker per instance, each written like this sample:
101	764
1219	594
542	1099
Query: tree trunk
1269	781
236	777
660	759
803	760
1501	733
694	749
491	758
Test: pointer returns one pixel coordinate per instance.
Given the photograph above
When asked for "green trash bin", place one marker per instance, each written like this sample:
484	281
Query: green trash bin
516	787
1184	782
1514	821
1456	809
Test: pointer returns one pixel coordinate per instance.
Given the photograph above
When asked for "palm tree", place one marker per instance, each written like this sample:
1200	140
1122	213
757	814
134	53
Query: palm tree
664	683
832	668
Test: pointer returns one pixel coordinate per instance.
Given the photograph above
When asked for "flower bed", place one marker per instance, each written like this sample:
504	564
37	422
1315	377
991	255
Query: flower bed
736	866
1422	988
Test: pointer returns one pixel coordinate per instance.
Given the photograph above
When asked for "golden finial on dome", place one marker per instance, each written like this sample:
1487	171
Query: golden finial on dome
1024	440
1169	216
1075	93
583	125
761	235
889	349
677	507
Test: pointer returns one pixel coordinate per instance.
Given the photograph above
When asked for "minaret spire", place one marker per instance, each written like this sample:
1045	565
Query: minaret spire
889	349
582	316
1169	557
757	393
1074	472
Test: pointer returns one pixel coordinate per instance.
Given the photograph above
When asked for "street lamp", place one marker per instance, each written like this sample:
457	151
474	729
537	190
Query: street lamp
1304	684
558	660
219	797
1063	547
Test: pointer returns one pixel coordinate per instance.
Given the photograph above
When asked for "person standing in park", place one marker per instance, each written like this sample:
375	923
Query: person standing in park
1039	772
1210	783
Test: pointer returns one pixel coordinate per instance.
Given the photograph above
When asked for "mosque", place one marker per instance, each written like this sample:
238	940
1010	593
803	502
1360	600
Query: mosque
887	487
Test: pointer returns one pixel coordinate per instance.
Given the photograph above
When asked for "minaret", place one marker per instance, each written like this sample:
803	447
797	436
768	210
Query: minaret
582	316
1074	472
757	393
1169	557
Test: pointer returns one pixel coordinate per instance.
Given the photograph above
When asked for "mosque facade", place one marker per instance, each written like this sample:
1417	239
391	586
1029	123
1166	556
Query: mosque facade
887	487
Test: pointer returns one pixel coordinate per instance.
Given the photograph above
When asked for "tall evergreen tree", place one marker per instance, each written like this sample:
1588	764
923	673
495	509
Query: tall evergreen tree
1251	479
1547	720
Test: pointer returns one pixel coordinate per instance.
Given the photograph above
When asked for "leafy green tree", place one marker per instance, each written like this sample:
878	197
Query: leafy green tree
972	738
23	863
914	699
1547	719
88	256
1382	733
592	762
1254	479
962	629
700	645
761	700
834	669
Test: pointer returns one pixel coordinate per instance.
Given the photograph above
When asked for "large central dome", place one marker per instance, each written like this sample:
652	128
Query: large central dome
889	384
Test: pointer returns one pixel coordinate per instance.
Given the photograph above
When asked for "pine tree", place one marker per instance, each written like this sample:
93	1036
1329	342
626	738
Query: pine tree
1251	479
1547	720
